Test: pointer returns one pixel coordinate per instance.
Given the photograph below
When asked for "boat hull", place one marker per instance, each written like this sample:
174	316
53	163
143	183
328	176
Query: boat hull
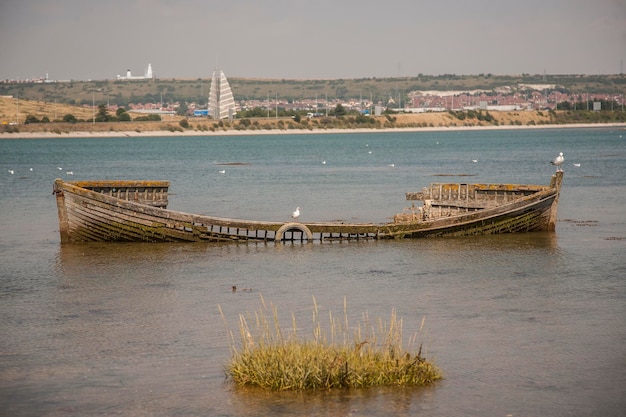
135	211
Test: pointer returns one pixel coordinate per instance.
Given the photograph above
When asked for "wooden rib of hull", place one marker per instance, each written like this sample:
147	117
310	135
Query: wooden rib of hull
132	211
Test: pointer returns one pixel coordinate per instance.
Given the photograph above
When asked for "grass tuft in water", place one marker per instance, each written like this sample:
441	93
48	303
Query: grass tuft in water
340	356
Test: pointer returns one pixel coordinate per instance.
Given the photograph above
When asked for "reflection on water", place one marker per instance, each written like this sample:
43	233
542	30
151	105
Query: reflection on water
80	260
403	401
144	317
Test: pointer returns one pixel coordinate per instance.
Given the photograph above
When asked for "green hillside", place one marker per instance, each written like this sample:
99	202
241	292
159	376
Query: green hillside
377	89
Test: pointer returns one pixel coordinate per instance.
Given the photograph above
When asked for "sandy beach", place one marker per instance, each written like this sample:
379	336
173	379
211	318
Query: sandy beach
234	132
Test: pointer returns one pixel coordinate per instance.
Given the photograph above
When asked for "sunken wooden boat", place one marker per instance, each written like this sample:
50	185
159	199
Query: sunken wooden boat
134	211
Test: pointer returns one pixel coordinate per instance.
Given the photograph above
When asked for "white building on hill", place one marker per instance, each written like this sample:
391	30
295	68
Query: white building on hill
148	75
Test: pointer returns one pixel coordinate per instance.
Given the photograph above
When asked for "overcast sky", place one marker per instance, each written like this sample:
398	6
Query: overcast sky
295	39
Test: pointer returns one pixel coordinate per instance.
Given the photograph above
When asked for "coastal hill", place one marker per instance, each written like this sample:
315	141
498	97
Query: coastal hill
375	90
11	109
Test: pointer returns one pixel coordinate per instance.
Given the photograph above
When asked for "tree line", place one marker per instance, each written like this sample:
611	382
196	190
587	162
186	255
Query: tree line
103	115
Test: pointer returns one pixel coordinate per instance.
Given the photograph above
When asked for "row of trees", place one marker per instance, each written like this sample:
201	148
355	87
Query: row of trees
339	111
605	105
472	114
103	115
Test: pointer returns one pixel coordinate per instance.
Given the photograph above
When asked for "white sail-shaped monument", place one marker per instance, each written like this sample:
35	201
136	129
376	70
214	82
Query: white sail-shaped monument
221	99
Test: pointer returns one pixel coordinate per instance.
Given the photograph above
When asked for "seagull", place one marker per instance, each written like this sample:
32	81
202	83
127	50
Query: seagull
323	162
70	172
296	213
474	160
558	161
576	165
11	172
223	171
60	169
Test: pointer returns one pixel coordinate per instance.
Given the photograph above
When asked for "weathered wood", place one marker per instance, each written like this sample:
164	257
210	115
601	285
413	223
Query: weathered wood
135	211
555	183
153	193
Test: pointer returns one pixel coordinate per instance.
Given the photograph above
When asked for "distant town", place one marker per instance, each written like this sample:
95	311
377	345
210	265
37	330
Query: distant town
512	97
531	97
536	97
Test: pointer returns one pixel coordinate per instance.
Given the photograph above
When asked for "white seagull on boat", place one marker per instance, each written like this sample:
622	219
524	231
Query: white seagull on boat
558	161
296	213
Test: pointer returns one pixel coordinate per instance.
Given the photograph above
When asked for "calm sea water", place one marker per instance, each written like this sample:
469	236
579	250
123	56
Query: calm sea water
520	325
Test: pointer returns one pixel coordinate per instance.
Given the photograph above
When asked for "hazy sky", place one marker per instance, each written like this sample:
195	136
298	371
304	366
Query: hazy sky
86	39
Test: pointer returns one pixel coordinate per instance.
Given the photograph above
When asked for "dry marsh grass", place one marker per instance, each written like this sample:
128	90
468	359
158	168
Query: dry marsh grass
336	356
12	109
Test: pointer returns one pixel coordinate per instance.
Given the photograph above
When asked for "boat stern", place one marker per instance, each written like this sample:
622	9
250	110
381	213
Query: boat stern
555	182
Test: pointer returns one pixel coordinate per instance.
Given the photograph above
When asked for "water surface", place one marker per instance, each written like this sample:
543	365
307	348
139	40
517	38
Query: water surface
521	325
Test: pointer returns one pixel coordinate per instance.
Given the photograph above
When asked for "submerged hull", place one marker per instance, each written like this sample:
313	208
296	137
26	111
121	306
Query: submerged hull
134	211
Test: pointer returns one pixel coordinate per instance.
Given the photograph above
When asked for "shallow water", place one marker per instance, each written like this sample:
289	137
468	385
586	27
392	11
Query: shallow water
521	325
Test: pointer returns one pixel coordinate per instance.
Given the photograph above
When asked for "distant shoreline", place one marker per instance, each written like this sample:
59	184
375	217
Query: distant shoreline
265	132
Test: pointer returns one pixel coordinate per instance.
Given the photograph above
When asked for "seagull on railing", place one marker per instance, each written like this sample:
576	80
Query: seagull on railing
296	213
558	161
